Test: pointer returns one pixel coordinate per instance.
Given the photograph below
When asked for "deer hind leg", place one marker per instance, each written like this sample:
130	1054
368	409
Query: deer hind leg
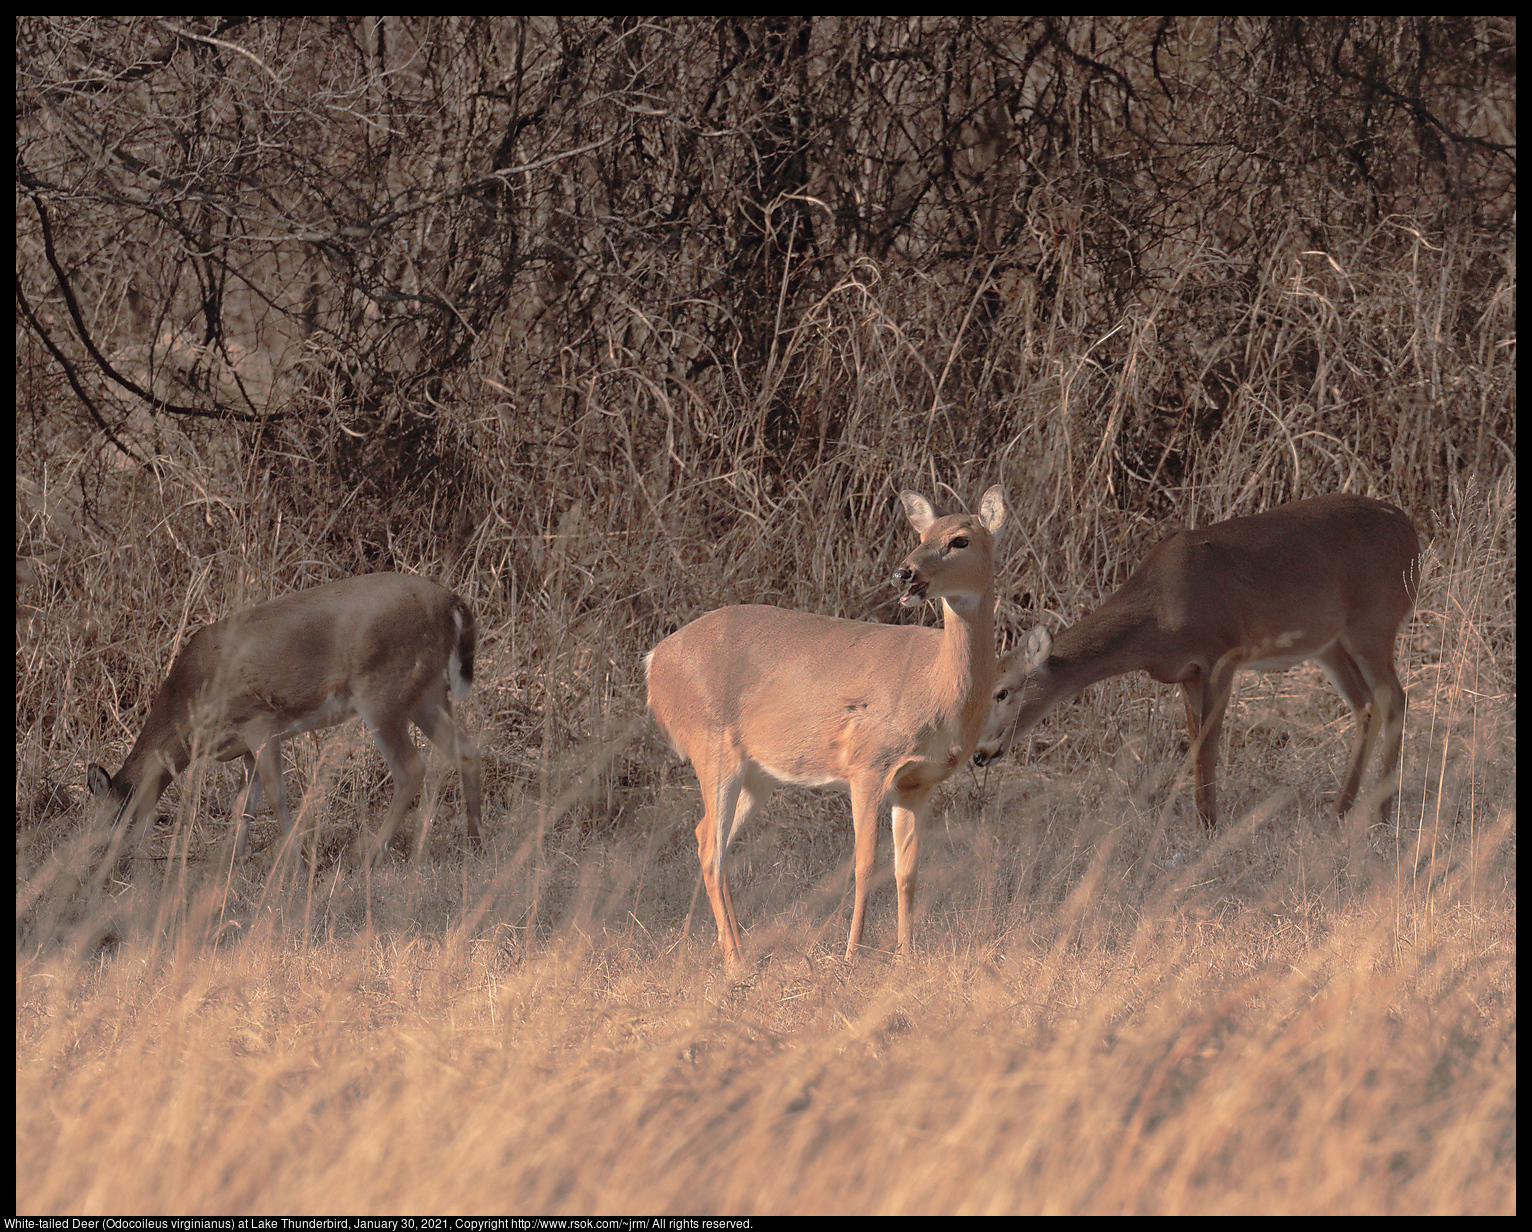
434	718
721	803
1390	692
1207	701
408	768
1191	698
730	797
1377	698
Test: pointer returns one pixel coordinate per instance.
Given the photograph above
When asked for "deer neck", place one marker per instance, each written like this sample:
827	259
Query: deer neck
966	664
1109	642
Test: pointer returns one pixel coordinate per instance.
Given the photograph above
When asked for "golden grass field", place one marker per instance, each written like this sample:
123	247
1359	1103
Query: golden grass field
1215	1040
1108	1012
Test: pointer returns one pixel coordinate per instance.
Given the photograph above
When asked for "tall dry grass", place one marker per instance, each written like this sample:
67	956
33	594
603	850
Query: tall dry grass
1108	1013
1332	1049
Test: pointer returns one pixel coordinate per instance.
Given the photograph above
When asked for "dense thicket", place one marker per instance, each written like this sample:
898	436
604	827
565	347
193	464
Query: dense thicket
625	318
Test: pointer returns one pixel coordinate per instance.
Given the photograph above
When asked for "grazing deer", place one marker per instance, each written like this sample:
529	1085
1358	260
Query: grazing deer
756	697
386	648
1331	579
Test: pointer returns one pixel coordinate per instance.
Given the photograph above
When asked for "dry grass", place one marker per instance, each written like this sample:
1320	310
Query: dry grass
1108	1013
1157	1041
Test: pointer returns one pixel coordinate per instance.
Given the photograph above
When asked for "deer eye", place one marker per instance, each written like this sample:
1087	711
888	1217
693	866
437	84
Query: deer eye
1002	694
960	542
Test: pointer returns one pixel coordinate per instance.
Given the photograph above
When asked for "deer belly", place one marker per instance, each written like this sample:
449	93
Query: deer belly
1278	658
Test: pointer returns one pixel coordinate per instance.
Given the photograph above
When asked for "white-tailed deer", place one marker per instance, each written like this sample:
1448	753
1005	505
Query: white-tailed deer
1331	579
385	648
756	697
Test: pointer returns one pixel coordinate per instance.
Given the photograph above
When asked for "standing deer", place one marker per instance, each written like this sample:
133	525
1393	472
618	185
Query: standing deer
385	648
756	697
1331	579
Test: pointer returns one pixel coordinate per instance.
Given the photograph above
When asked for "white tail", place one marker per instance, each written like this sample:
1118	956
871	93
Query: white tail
1331	579
384	648
757	697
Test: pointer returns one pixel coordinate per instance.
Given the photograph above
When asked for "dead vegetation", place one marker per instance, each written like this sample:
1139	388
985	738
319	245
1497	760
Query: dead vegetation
606	323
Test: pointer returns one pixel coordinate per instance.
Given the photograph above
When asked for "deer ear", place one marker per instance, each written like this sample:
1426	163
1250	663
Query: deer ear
98	780
1039	646
919	510
992	510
